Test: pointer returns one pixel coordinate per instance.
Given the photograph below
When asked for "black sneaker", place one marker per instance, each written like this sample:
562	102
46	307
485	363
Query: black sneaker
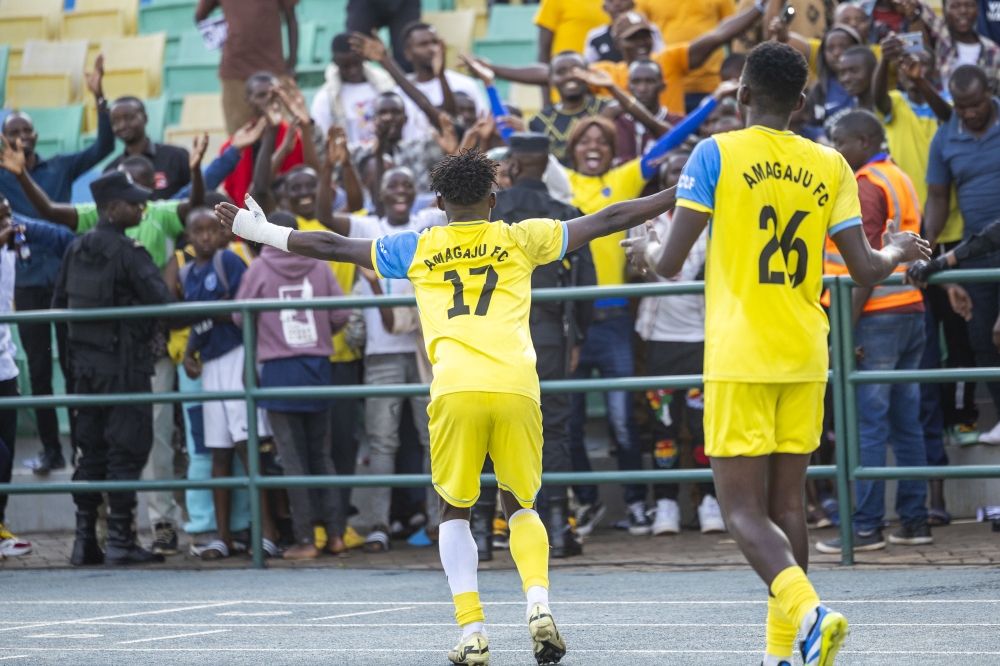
863	541
638	522
587	517
165	539
919	535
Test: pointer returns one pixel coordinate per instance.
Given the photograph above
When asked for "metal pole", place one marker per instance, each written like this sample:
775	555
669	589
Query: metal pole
840	449
847	455
253	441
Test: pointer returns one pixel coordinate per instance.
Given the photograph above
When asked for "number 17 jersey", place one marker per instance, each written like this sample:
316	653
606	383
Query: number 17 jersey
773	197
472	281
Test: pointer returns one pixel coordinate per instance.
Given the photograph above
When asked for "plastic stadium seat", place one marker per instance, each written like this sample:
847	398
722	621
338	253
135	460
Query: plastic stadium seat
196	68
58	129
456	29
51	74
134	65
203	110
184	137
331	13
528	98
512	22
22	20
95	19
170	16
4	59
438	5
478	5
507	51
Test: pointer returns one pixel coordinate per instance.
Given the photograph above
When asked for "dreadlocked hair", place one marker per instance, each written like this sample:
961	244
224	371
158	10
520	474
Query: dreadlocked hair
464	179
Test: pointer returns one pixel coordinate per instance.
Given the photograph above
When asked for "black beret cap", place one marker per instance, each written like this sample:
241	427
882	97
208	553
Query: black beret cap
118	185
529	142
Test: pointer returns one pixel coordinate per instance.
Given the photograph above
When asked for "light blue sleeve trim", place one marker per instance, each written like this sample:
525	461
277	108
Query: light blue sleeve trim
395	253
676	136
840	226
565	243
701	174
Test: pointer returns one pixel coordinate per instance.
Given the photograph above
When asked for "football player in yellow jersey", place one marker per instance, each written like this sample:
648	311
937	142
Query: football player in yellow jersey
770	198
472	279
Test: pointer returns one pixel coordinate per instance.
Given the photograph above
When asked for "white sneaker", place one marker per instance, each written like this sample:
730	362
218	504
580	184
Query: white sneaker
991	437
12	546
668	517
710	516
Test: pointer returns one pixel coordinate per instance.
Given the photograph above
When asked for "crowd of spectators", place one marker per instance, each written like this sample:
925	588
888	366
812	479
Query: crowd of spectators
905	92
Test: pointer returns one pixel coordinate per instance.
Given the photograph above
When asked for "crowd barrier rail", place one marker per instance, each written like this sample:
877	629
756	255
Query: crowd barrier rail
843	379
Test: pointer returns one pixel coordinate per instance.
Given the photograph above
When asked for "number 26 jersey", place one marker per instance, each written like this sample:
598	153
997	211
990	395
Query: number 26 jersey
773	197
472	281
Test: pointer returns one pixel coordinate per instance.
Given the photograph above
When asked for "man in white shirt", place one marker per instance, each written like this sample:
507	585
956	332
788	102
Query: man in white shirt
674	330
423	45
348	97
389	358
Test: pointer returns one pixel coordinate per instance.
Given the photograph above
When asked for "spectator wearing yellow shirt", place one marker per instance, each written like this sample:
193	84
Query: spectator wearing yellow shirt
563	25
592	148
684	21
633	35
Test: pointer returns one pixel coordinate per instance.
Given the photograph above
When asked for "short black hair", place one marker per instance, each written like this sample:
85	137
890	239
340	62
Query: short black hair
214	198
140	161
341	43
861	122
129	99
732	66
646	62
258	77
775	73
464	179
964	76
863	52
412	27
571	54
283	219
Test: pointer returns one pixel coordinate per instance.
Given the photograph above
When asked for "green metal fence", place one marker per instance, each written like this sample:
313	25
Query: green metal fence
844	378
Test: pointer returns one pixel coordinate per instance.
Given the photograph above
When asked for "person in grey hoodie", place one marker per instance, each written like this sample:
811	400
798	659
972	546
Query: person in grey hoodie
294	347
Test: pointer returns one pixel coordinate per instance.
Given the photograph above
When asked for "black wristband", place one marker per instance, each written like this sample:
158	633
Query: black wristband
937	265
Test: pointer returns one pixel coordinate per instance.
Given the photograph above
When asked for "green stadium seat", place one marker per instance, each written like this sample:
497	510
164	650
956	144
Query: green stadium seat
4	59
173	17
58	128
437	5
512	22
195	70
332	13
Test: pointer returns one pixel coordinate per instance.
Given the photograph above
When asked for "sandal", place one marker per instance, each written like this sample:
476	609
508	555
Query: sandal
938	517
335	546
215	550
377	541
270	549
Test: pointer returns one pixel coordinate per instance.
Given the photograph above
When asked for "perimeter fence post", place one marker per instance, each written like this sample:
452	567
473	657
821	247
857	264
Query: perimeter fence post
253	441
840	447
847	455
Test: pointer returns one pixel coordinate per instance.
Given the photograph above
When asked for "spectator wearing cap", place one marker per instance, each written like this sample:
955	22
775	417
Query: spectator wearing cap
682	22
105	268
600	45
171	170
347	99
253	44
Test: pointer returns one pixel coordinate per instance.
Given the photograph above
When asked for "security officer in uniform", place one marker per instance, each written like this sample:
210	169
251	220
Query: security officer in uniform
105	268
557	331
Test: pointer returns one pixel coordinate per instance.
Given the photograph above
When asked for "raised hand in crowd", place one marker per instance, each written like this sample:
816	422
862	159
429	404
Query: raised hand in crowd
369	48
447	138
479	134
478	69
249	134
95	79
198	148
12	157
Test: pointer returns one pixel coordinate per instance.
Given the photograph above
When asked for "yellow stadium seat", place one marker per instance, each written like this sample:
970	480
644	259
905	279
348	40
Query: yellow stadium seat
21	20
456	28
528	98
184	137
96	19
16	56
202	110
134	65
49	63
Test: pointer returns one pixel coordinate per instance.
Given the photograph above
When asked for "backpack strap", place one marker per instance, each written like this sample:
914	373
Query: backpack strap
220	270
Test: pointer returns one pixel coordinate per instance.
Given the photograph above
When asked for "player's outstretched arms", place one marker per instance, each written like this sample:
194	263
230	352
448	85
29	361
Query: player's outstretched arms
252	225
618	217
868	266
667	257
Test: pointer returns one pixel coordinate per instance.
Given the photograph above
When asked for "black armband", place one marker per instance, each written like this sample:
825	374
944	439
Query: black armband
986	241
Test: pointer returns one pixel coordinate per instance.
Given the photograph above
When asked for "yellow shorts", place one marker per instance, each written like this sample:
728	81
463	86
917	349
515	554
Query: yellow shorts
467	425
745	419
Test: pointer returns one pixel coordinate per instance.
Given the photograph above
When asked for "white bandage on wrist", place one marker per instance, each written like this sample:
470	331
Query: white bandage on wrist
651	255
252	224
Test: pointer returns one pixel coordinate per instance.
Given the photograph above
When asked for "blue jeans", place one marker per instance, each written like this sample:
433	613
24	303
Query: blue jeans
985	298
608	349
889	415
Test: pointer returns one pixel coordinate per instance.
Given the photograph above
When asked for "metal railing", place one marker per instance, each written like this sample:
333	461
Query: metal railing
845	401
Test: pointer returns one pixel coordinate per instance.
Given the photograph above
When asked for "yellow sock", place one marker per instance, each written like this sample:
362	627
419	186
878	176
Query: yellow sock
468	609
795	594
781	632
529	546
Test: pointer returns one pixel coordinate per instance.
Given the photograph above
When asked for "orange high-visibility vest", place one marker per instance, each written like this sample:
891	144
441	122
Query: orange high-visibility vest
904	208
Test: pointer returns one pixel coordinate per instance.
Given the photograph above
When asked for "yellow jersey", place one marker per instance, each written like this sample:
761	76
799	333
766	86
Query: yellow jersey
472	281
773	197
